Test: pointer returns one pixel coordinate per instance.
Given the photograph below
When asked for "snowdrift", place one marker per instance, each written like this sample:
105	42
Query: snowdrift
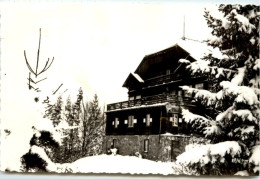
112	164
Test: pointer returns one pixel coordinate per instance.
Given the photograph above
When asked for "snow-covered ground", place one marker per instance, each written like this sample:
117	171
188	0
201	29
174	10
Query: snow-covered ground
120	164
108	164
112	164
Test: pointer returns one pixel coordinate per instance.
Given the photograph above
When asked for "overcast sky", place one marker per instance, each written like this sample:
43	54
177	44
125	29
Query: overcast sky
95	45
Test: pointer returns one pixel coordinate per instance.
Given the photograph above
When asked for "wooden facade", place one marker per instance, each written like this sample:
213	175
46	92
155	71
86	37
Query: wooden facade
155	98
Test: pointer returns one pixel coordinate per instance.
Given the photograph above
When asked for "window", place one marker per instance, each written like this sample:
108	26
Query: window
146	145
130	121
168	71
199	86
148	120
116	122
114	144
179	92
138	97
131	98
175	120
186	94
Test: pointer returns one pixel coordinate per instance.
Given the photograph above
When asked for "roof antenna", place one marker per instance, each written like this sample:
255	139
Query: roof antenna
183	37
186	38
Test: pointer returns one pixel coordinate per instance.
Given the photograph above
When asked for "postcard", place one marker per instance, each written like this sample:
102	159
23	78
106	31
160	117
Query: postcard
163	88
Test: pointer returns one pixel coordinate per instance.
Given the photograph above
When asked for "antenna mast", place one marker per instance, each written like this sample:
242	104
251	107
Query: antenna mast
183	37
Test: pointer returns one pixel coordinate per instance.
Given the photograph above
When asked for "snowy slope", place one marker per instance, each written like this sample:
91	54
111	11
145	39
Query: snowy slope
109	164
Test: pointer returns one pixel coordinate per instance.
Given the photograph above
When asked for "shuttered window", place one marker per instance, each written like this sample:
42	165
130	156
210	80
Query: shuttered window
116	122
175	120
148	120
130	121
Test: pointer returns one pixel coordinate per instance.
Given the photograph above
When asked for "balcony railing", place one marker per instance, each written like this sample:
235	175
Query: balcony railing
163	79
149	100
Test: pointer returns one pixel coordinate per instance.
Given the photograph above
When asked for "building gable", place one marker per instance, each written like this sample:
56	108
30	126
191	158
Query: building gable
133	80
156	64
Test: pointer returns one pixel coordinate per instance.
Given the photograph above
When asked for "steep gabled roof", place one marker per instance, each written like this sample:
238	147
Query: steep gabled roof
184	49
133	76
194	49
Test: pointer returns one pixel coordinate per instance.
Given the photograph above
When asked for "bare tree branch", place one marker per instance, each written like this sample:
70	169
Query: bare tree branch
46	67
36	73
57	89
38	54
27	63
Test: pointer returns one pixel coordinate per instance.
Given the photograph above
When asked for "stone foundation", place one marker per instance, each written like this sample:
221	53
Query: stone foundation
160	147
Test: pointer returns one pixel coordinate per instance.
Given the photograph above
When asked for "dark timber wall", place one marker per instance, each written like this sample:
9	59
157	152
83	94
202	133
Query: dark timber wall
140	127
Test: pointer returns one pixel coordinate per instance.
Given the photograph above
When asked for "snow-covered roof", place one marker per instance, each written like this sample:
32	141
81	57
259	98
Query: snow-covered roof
138	77
138	107
130	77
196	49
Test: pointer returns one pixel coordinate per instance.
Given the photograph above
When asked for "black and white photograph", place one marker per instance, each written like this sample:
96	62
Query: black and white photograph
150	88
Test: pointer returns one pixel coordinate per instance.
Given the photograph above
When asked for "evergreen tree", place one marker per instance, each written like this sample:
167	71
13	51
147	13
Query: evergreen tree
71	143
232	121
53	111
58	137
76	123
93	128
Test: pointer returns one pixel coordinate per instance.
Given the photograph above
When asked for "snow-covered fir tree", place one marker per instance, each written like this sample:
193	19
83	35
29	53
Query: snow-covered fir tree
232	102
71	141
93	121
44	142
53	111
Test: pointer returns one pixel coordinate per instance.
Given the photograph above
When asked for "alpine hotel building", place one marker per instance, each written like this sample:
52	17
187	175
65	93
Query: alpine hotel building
150	121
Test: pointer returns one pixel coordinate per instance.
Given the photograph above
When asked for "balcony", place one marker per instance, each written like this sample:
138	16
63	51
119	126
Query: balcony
163	79
149	100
